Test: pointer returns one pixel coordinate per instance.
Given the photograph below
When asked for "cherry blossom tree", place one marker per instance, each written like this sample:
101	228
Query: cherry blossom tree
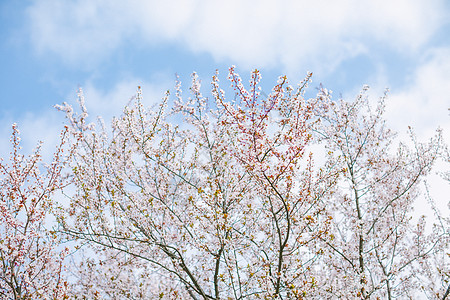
225	205
209	198
31	264
376	250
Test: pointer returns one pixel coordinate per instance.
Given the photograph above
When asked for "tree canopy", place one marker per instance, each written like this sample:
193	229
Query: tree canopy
248	196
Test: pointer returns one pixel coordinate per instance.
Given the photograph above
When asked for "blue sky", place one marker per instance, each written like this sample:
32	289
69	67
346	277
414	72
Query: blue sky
50	48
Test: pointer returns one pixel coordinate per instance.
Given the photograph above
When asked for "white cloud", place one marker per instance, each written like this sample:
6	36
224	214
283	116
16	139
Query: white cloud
78	31
424	102
302	35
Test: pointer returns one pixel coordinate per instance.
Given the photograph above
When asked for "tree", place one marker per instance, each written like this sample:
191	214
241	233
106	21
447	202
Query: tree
376	251
221	208
31	264
221	199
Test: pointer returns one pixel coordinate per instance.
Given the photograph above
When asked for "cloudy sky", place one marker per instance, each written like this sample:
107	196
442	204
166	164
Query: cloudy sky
49	48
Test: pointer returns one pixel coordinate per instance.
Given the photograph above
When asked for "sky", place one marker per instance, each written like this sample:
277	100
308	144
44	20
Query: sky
50	48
